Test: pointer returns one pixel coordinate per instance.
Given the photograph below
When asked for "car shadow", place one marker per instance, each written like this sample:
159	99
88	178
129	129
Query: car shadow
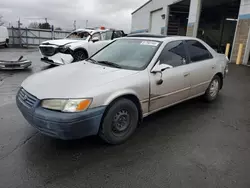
48	67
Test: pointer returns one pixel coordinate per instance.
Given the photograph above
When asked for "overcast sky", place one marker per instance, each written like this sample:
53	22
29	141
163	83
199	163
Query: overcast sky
62	13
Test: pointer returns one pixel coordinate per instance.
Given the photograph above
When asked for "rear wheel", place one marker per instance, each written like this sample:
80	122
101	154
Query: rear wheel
79	55
213	89
119	122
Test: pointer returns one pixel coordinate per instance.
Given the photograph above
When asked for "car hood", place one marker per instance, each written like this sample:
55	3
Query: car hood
72	81
61	42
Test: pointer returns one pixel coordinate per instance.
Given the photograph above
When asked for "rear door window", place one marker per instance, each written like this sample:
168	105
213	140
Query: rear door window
107	35
117	34
197	51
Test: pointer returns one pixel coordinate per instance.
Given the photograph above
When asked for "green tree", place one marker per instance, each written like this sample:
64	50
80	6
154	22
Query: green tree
44	26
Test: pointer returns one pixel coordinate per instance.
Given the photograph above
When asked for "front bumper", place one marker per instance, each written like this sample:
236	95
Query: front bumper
58	59
65	126
14	65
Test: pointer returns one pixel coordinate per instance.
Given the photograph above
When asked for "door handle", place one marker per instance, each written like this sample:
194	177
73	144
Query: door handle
213	67
186	74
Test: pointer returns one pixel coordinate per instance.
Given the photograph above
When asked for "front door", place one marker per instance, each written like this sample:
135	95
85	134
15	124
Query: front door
95	46
176	82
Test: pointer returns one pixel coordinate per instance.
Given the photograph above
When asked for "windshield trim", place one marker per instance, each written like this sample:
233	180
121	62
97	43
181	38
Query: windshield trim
132	68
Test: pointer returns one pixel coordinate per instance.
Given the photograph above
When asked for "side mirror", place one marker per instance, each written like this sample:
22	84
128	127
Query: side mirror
160	68
95	39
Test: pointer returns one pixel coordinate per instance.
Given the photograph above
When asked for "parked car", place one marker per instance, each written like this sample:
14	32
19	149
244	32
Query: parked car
4	36
111	92
77	46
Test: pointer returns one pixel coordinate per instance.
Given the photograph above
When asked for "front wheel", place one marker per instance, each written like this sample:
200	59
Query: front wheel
213	89
79	55
119	122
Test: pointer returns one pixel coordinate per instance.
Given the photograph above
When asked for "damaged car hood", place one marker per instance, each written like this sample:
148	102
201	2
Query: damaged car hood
72	81
61	42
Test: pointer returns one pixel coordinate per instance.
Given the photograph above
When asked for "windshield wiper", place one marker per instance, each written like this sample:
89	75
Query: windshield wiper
92	60
109	64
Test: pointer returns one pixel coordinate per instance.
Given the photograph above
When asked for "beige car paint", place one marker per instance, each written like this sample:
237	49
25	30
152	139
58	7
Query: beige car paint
105	84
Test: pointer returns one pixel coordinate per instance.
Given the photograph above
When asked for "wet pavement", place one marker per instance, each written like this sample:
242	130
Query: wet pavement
194	144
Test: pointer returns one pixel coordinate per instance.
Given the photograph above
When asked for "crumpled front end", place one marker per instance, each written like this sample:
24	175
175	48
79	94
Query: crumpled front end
55	55
58	59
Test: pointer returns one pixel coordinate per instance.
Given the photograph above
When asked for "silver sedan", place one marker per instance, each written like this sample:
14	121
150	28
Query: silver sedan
109	93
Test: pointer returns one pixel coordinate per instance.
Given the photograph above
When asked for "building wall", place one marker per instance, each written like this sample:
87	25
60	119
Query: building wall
141	22
156	21
141	18
242	30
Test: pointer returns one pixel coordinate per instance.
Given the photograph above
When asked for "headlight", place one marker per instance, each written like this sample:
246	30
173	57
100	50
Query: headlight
68	105
64	48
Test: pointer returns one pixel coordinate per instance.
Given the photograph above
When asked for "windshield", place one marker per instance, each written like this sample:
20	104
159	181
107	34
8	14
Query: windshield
128	53
79	35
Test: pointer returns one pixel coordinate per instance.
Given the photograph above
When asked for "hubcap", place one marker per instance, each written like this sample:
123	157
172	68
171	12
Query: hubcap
214	88
121	122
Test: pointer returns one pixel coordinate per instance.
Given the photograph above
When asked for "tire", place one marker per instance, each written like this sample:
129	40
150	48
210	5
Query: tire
79	55
119	122
213	89
6	43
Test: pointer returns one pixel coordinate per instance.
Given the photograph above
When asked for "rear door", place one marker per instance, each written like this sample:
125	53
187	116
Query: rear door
201	67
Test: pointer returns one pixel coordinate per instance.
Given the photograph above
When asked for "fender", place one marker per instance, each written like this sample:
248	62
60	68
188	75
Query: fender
119	94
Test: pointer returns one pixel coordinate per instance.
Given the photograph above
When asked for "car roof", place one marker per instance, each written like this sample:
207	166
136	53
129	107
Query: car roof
149	35
161	38
91	31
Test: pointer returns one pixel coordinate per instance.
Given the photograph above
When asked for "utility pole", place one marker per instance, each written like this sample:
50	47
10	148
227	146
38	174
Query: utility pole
19	32
74	24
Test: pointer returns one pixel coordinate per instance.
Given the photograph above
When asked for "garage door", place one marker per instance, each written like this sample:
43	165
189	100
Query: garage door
156	22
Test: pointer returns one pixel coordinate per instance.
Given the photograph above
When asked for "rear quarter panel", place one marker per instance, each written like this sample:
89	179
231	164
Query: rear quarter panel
220	60
221	63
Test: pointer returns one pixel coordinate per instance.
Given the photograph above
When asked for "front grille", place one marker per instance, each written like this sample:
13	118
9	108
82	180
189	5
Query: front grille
47	50
12	66
26	98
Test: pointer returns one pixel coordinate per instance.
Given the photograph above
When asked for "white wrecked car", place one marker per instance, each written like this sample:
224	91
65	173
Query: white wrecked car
77	46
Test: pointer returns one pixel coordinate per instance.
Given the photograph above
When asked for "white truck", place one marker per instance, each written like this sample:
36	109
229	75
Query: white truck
77	46
4	36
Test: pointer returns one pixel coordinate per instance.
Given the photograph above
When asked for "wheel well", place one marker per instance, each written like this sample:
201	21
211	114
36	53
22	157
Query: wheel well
221	78
134	99
82	49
